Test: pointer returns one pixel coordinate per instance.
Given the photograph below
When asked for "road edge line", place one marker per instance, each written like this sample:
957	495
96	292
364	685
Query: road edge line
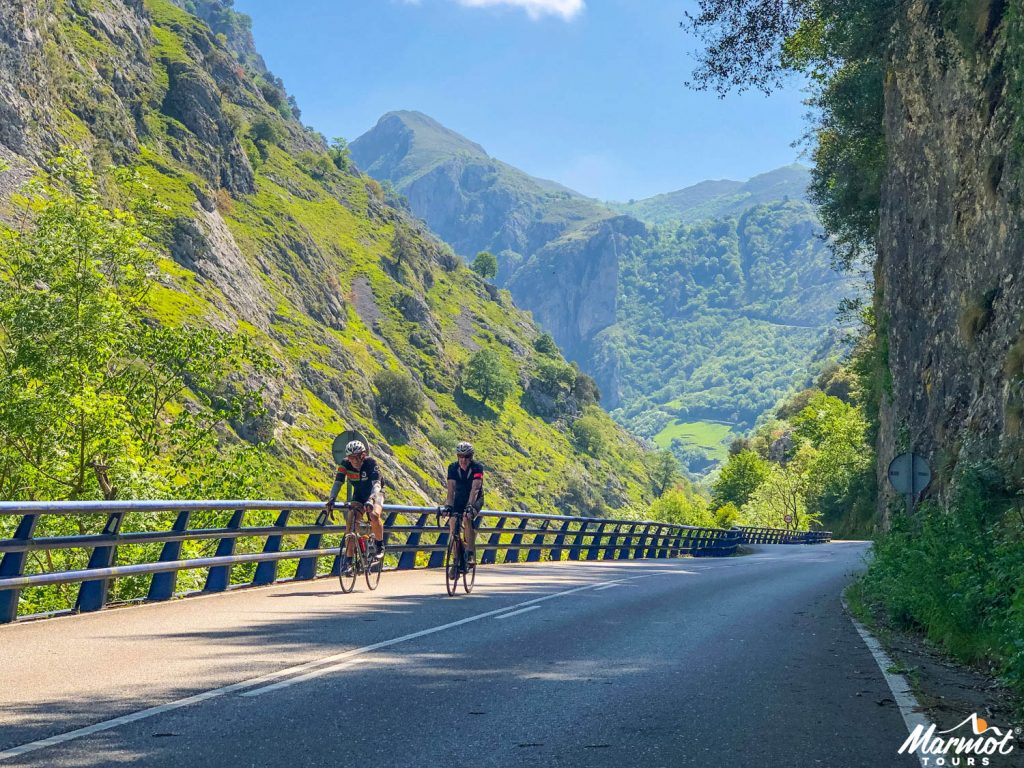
898	684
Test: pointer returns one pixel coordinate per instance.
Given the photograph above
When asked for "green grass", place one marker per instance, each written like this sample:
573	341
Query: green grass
710	436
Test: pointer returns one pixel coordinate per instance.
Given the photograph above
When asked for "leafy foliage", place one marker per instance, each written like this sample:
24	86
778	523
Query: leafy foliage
739	478
486	265
398	395
955	572
487	375
95	401
665	471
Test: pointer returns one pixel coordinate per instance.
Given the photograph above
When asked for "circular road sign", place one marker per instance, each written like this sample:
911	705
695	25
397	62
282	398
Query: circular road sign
909	474
338	447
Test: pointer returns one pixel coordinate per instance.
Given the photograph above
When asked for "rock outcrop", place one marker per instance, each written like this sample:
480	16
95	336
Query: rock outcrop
950	289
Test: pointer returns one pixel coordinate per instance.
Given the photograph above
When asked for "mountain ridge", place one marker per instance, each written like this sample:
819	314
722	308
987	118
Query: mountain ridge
579	266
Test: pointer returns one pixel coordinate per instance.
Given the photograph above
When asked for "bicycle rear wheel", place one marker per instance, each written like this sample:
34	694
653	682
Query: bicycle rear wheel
373	566
451	566
348	583
469	577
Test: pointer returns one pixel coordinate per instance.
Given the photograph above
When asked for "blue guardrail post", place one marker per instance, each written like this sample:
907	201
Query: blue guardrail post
408	559
13	564
163	584
490	555
219	577
92	595
266	572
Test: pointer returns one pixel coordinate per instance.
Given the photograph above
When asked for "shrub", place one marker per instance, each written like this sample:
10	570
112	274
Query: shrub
545	344
588	432
398	396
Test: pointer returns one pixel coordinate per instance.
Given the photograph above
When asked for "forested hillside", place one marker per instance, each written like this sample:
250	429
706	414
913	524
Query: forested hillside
241	293
718	322
695	311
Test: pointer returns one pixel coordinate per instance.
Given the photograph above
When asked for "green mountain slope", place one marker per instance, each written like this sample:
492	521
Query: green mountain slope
717	322
720	199
264	231
705	304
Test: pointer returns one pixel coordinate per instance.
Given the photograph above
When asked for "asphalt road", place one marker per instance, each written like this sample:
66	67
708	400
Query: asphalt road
745	661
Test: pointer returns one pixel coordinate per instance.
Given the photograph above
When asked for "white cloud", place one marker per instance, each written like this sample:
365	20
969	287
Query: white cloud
567	9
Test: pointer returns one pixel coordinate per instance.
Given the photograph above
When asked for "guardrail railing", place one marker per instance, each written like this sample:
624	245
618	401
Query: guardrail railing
212	546
752	535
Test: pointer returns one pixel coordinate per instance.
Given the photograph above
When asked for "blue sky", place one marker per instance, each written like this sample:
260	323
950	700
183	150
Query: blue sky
589	93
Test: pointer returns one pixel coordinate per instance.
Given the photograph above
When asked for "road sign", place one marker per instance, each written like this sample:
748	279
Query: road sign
338	448
909	474
788	518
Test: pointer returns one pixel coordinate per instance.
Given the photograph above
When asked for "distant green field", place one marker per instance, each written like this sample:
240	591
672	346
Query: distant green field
713	438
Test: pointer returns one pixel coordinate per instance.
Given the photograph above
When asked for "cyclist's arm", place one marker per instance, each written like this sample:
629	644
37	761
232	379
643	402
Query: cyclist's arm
451	493
339	480
375	480
477	486
474	491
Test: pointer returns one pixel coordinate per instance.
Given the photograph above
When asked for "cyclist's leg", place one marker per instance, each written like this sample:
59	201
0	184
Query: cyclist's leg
376	519
350	527
469	535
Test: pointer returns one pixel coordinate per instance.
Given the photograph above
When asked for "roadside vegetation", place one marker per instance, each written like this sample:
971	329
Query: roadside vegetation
953	571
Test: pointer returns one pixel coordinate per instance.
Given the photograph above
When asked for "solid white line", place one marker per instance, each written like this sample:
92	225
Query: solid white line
345	658
521	610
608	586
899	685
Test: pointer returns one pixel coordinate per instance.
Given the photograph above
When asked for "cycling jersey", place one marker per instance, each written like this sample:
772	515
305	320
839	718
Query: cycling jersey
464	483
365	481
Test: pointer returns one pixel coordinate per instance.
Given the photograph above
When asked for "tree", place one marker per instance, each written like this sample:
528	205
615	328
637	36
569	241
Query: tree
783	493
588	432
678	507
340	153
545	344
739	478
96	401
486	265
665	471
487	375
397	395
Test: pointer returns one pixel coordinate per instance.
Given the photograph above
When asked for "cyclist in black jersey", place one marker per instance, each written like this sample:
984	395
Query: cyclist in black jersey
362	473
465	494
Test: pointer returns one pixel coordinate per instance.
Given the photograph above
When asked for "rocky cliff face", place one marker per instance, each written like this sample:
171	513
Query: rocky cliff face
950	287
571	286
540	231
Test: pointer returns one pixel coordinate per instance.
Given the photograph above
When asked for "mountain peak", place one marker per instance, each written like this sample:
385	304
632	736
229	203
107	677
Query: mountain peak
406	143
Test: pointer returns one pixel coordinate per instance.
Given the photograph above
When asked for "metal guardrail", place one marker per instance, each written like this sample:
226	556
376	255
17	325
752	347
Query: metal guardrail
415	541
752	535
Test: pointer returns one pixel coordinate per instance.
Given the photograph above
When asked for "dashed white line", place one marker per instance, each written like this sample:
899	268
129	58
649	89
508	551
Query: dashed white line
316	666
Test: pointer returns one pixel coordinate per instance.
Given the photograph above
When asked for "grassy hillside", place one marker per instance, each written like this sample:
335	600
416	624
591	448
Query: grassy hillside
264	230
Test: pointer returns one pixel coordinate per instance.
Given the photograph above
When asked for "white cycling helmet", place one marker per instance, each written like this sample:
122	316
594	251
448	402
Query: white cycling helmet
354	447
464	449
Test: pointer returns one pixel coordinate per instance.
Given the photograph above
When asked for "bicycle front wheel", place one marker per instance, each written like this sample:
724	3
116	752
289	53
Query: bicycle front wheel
469	577
451	566
348	583
373	567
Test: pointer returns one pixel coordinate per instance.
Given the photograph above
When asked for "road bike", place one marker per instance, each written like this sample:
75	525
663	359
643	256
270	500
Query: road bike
364	558
456	562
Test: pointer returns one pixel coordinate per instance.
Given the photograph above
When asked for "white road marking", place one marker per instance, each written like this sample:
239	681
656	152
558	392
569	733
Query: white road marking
609	586
345	658
522	610
902	692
